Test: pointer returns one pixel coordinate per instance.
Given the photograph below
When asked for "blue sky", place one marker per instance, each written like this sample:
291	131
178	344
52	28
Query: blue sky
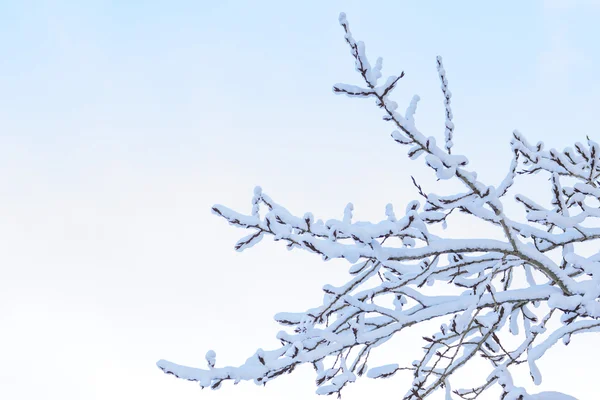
121	124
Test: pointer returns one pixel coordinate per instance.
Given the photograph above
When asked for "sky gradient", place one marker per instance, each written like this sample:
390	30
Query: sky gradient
121	123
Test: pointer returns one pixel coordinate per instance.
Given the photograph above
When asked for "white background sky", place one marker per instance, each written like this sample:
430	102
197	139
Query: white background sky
121	123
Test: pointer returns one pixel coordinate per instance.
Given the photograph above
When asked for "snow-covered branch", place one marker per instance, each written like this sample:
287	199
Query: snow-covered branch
393	259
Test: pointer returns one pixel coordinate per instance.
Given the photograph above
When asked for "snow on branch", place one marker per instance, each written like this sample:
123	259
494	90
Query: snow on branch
392	260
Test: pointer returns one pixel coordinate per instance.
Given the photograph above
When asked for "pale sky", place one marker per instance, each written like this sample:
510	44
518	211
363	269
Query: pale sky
121	123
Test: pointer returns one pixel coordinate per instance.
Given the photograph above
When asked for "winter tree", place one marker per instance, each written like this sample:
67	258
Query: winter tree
512	299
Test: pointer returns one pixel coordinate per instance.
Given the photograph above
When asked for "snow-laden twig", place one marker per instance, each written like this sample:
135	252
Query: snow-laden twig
449	132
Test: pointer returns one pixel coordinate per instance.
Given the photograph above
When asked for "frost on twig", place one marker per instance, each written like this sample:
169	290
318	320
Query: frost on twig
391	260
